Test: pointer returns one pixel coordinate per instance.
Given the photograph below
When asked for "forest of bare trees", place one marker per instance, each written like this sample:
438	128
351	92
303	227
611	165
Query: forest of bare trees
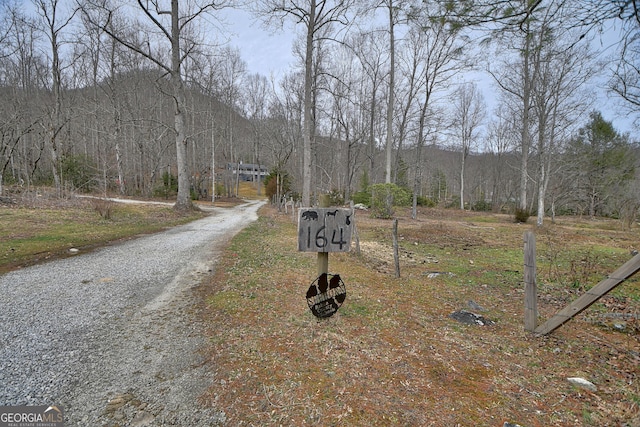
142	98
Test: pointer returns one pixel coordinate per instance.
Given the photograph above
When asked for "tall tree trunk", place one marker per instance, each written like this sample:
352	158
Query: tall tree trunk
541	192
392	58
307	127
462	164
348	174
213	165
119	164
417	179
183	201
256	147
528	76
54	125
372	138
542	170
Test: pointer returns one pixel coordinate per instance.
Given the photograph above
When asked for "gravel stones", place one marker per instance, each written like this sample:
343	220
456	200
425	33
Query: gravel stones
110	335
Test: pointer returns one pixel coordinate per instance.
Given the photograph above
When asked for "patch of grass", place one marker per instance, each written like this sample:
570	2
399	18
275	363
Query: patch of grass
30	235
391	355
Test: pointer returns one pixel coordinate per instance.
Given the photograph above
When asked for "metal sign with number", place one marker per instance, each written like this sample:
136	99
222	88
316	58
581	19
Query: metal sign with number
325	229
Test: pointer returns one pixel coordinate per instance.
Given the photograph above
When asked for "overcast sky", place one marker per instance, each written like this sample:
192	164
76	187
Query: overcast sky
266	51
269	52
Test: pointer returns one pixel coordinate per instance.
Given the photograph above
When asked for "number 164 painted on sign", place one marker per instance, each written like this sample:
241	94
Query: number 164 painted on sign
324	229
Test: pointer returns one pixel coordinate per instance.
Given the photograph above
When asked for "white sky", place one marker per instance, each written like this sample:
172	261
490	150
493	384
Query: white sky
266	51
269	52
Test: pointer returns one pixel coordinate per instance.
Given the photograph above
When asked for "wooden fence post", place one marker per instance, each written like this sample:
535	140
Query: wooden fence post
356	237
396	256
323	257
530	287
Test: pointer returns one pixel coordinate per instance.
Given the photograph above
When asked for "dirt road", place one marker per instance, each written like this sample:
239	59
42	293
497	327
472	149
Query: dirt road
111	335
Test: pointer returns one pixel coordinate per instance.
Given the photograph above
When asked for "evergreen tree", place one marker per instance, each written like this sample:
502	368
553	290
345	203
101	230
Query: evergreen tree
601	164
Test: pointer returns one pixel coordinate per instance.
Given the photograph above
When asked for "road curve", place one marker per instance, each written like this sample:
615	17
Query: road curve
111	335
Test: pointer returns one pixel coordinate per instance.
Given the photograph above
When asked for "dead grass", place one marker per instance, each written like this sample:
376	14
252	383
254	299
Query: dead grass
392	356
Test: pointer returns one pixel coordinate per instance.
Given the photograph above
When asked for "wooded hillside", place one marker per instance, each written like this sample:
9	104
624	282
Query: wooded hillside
133	98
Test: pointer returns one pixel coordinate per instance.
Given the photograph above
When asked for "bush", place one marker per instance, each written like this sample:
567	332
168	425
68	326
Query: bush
521	215
271	183
219	189
362	197
482	205
426	202
79	172
103	207
336	198
453	203
169	188
386	196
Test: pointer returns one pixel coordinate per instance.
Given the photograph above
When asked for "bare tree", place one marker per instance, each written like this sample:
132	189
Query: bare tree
369	49
350	93
6	26
531	36
565	66
625	81
439	49
392	12
170	30
315	15
232	74
410	84
53	21
500	140
284	127
16	121
469	112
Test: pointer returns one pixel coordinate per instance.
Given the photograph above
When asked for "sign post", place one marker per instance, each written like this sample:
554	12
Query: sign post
323	257
325	230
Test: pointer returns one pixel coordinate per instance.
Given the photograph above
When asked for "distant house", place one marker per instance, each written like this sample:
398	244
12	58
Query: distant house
248	171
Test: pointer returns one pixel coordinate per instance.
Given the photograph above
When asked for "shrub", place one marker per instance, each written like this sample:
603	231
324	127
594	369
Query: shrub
78	171
482	205
426	202
103	207
453	203
219	188
363	197
169	188
336	198
385	197
271	183
521	215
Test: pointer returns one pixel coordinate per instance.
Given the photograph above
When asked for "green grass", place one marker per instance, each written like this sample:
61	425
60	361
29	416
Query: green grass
29	235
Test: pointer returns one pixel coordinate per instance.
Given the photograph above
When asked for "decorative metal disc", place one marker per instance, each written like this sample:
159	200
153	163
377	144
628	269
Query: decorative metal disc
326	294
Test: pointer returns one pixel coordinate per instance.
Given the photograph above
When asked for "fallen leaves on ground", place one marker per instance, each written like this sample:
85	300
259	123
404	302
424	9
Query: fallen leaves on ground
392	355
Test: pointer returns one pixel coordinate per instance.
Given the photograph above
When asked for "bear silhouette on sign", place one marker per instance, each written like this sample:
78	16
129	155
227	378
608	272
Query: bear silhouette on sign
310	216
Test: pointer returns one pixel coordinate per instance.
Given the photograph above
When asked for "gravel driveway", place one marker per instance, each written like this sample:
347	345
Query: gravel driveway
111	335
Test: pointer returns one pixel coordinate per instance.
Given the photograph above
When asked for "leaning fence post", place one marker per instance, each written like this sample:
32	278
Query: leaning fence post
530	287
